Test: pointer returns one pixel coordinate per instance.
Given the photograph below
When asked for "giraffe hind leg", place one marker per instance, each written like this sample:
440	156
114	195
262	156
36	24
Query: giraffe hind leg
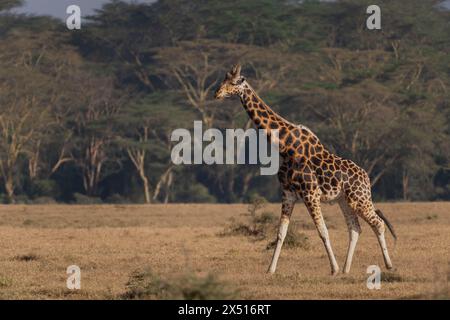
378	226
312	202
354	230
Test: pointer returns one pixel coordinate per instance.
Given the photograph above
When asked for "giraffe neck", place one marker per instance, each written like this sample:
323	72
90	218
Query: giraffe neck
294	140
260	113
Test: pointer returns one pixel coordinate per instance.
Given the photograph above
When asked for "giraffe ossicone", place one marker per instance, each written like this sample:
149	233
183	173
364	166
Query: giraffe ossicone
310	172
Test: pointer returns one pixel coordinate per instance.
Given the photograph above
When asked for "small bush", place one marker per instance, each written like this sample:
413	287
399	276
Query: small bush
44	200
265	218
27	222
117	199
147	285
391	277
84	199
5	282
258	226
27	257
22	199
256	203
194	193
242	229
294	239
44	188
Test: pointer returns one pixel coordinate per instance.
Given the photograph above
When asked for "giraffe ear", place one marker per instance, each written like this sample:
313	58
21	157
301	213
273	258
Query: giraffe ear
229	75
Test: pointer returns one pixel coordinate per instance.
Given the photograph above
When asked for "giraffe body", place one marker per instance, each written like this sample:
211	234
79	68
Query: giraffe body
309	172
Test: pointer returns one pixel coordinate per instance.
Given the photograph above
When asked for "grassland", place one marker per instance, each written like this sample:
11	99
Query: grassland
110	242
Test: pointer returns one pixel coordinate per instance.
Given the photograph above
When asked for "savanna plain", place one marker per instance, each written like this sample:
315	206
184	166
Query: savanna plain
214	251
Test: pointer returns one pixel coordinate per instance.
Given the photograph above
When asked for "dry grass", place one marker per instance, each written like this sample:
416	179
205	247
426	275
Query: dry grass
110	242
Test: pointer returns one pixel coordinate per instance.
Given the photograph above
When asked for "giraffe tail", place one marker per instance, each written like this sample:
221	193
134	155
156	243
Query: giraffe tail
388	224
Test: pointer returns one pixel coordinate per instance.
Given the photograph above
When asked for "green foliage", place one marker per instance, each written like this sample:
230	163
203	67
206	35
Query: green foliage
44	188
194	192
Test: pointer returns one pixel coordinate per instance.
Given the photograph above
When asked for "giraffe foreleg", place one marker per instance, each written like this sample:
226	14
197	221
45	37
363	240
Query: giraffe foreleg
312	202
354	230
288	202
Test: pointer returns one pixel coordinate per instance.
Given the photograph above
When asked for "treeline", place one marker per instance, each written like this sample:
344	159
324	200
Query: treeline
86	116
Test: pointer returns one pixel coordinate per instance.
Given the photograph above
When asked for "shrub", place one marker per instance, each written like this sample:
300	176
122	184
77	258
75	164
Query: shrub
22	199
84	199
44	200
5	282
294	239
265	218
44	188
258	226
244	229
117	199
194	193
391	277
27	257
256	203
147	285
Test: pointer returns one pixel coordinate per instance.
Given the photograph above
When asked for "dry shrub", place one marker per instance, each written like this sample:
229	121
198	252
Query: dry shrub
148	285
256	204
265	218
432	217
243	229
391	277
27	257
294	239
256	226
5	282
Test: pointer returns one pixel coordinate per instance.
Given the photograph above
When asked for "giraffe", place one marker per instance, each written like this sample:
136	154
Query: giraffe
309	172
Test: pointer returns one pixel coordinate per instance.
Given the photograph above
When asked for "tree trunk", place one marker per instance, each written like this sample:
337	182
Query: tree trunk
164	179
167	188
405	184
33	162
146	188
246	184
9	187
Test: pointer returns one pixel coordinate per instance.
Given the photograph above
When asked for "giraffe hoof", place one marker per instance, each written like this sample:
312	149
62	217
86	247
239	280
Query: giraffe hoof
335	272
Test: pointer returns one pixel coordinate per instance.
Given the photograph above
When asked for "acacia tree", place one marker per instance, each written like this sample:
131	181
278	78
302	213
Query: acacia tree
91	123
28	94
22	118
195	68
143	130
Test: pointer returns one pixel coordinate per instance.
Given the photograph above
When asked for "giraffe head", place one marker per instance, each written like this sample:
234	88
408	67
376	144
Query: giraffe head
232	85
